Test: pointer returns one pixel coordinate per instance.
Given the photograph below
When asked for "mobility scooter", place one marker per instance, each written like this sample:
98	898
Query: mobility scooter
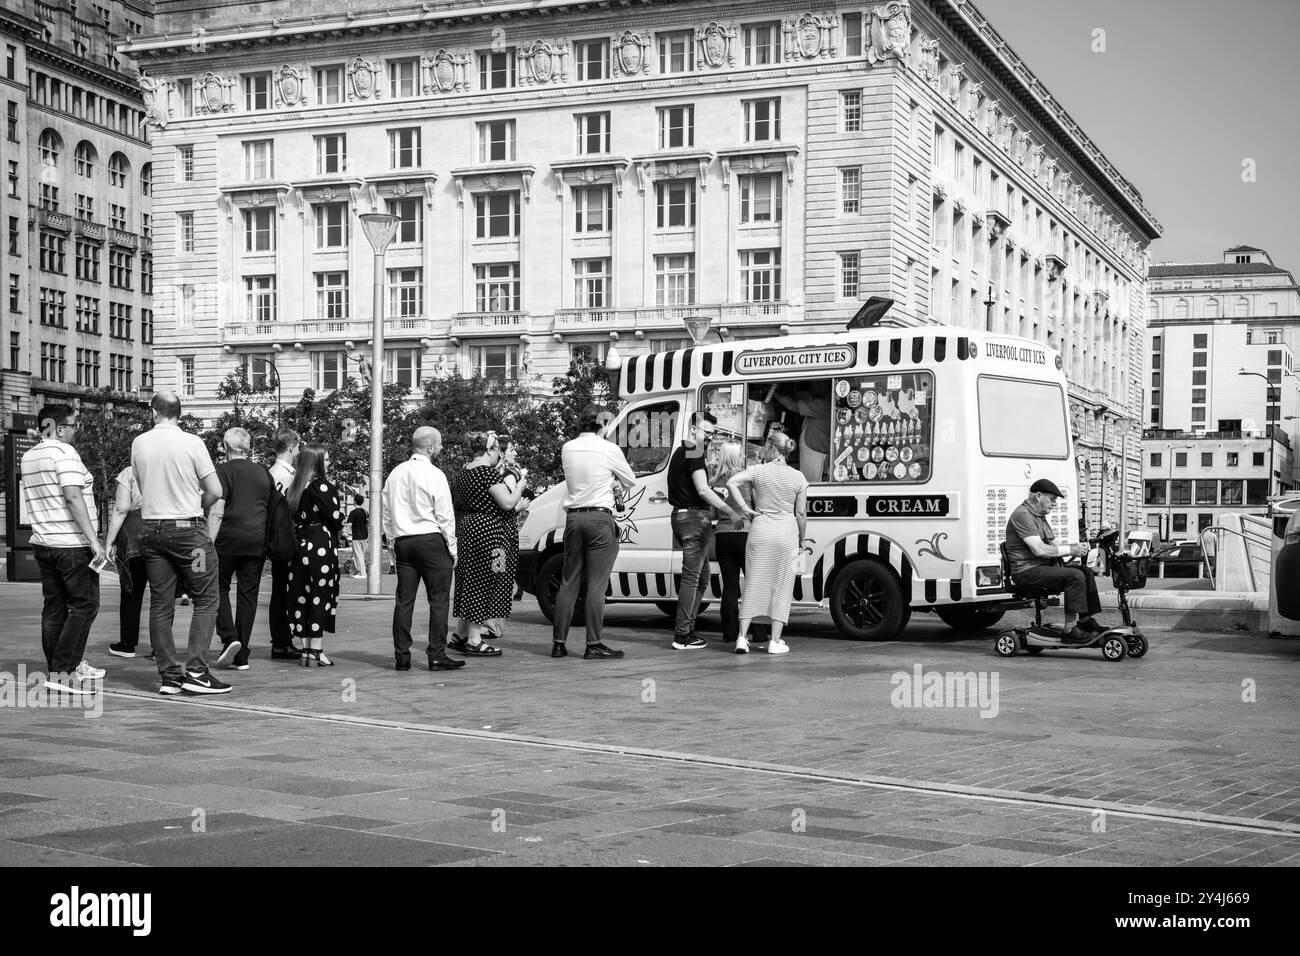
1127	571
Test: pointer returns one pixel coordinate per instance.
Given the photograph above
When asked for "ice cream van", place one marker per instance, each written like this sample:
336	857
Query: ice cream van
931	434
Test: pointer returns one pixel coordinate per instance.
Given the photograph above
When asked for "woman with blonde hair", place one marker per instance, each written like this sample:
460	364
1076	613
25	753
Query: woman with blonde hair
729	539
776	537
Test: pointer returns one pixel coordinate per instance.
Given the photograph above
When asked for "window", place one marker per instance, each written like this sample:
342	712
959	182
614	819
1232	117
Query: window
676	126
88	367
1180	492
119	321
592	57
11	59
848	275
185	230
48	147
185	163
1257	491
1180	459
760	274
259	230
327	370
591	284
851	111
53	362
593	352
331	295
85	159
87	264
1153	492
760	198
406	293
53	253
762	120
15	292
410	219
1198	395
762	43
646	433
11	121
496	215
1199	359
852	25
593	133
185	93
496	141
1198	378
329	85
331	225
1207	459
186	310
1156	459
496	287
1022	419
1207	491
117	217
53	307
146	374
1200	341
496	71
146	226
13	180
331	153
259	159
14	249
495	361
592	209
1180	524
1231	491
85	207
146	275
146	327
675	202
1257	459
404	148
259	298
404	77
257	91
402	366
675	279
676	52
851	191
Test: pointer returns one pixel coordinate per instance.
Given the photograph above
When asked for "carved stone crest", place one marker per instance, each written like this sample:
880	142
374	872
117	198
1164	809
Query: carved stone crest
716	45
930	61
154	108
446	72
216	94
891	31
810	37
290	86
363	79
631	54
543	62
494	182
955	74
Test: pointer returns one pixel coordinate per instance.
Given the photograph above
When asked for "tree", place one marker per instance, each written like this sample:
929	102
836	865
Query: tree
584	386
108	426
248	410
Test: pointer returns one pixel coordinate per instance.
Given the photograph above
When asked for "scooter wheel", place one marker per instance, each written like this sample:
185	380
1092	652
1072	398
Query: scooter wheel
1007	644
1114	648
1137	645
1034	650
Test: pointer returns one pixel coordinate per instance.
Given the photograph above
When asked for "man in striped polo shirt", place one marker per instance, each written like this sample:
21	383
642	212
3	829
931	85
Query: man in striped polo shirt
60	501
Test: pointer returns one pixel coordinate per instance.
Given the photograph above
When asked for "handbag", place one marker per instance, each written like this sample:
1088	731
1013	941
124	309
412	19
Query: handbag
800	561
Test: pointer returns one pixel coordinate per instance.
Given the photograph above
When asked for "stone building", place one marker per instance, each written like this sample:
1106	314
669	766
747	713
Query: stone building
571	174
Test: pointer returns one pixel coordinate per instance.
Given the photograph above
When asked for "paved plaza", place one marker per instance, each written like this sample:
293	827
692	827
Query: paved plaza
1189	755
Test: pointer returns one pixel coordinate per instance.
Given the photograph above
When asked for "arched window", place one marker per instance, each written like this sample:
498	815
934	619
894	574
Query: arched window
146	179
49	146
1243	308
1212	308
118	169
1180	310
86	158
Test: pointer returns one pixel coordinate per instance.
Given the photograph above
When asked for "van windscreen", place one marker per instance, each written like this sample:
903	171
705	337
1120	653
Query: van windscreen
1022	419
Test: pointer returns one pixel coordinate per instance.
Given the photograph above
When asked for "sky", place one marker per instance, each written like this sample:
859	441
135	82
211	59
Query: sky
1184	92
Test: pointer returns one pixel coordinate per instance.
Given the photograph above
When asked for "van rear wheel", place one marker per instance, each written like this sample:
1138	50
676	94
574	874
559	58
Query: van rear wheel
549	576
867	602
967	617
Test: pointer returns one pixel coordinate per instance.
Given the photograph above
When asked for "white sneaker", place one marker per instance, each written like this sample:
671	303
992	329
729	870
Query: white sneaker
778	647
86	672
358	576
72	686
742	645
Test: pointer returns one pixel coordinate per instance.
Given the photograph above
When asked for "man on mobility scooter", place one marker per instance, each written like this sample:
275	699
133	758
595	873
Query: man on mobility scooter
1035	562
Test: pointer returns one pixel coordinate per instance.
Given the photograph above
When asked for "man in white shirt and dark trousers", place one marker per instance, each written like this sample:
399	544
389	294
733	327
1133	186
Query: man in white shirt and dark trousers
591	466
282	647
58	495
419	521
178	483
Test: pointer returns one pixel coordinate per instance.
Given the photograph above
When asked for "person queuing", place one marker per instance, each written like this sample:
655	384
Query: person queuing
513	476
317	512
360	522
419	521
177	484
122	543
776	537
730	537
591	466
237	526
813	403
58	493
287	443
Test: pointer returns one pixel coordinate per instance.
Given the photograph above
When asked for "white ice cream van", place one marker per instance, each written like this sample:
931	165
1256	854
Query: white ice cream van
935	435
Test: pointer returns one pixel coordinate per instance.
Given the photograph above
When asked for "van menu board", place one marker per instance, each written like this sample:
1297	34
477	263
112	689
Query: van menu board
883	428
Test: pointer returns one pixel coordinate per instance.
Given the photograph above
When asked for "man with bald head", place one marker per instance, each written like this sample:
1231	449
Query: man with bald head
237	526
419	521
177	485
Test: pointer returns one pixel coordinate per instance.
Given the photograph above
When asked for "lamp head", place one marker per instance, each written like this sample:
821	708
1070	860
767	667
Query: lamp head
380	228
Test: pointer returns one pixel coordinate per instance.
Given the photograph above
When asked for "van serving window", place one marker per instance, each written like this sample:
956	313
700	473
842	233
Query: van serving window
883	428
1022	419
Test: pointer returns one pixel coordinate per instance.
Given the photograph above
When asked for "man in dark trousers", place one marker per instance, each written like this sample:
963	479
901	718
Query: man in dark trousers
360	522
237	525
282	646
1035	561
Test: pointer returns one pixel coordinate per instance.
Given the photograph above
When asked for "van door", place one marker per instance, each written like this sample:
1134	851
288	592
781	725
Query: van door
647	433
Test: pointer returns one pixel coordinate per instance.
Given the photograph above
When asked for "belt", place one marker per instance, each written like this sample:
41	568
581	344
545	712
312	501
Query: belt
574	511
176	522
686	510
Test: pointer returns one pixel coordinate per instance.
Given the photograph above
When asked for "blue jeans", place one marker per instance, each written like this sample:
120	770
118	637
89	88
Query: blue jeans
71	592
693	530
180	550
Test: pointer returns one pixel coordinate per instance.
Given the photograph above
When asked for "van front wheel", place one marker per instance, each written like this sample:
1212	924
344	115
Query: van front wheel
549	576
867	602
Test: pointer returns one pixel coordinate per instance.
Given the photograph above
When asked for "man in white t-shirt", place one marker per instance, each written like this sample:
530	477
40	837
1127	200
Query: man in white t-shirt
58	494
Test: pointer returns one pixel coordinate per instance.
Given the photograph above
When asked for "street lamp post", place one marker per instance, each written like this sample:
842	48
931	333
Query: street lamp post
379	229
1268	432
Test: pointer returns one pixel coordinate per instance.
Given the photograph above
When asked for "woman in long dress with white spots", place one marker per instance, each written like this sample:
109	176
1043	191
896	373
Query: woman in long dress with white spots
317	510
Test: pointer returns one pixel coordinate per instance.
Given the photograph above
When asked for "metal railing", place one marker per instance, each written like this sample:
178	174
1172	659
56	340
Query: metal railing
1249	538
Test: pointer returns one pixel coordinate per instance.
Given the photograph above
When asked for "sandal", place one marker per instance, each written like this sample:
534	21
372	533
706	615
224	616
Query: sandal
482	649
457	644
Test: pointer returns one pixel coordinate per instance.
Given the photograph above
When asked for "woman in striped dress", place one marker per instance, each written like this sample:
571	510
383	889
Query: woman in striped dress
776	536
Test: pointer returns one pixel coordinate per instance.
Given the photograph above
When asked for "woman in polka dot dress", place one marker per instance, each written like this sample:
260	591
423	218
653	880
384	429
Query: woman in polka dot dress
314	575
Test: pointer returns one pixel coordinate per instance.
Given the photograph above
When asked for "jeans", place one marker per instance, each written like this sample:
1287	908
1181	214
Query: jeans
590	550
247	572
128	609
71	592
693	530
278	612
1078	583
422	557
731	561
180	550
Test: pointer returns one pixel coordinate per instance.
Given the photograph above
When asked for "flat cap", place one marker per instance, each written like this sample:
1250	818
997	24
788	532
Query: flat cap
1044	487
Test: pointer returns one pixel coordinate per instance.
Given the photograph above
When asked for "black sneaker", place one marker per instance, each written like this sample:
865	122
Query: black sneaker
121	650
229	653
1092	626
204	683
688	642
170	686
286	653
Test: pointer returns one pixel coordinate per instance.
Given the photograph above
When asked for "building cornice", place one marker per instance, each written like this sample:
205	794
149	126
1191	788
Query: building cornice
28	28
41	52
